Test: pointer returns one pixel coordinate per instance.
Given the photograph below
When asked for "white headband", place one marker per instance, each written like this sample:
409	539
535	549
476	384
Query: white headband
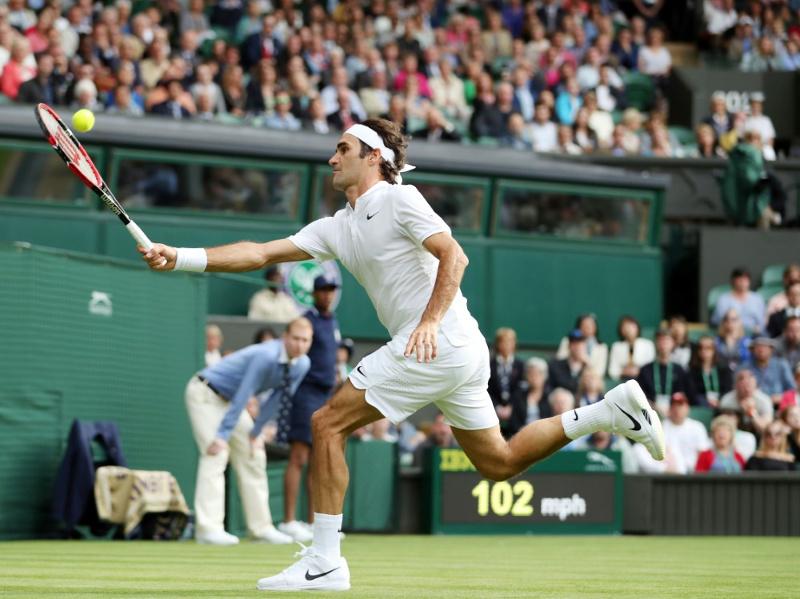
374	141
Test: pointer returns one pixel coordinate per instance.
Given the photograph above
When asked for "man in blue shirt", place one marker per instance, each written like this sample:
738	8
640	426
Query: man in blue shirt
216	399
773	374
312	394
748	304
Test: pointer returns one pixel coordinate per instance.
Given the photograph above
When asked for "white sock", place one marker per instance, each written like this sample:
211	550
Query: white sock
326	535
590	419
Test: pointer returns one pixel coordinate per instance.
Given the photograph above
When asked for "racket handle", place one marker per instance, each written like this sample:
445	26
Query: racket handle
139	235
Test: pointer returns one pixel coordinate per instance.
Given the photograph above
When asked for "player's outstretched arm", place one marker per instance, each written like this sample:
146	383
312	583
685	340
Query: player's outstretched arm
235	257
452	264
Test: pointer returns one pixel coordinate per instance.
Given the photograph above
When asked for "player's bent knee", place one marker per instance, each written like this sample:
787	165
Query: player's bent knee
497	471
322	424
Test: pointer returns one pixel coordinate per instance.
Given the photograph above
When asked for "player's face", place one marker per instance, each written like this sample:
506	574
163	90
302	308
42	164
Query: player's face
346	163
297	341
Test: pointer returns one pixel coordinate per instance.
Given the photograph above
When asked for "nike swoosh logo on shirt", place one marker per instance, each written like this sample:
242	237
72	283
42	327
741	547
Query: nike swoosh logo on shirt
636	425
575	413
361	372
369	216
310	576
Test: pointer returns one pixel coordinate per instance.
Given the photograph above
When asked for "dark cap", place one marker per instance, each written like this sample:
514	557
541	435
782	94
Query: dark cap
323	282
576	335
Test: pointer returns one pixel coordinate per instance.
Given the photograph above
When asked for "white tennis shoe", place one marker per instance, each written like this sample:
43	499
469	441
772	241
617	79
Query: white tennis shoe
312	572
632	416
299	531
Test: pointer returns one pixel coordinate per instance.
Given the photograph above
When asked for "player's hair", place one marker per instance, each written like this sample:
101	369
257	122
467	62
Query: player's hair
393	139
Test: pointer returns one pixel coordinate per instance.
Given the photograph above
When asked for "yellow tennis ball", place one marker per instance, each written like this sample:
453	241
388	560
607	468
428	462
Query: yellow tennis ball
83	120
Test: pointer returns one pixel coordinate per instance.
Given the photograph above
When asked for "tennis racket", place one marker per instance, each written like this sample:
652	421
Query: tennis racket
72	152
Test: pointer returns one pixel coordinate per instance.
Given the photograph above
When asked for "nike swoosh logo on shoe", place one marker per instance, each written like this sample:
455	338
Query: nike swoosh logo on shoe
636	425
310	576
647	417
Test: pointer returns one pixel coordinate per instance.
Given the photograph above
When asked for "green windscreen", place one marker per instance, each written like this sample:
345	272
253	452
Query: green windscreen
93	339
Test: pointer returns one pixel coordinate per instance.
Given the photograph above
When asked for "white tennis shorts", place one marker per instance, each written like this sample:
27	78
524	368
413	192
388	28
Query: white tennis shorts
455	381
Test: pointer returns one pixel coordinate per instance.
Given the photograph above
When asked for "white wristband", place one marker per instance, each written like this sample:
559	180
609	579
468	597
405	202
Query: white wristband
192	259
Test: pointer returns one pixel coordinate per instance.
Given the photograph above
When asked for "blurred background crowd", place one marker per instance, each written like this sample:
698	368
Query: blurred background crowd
563	76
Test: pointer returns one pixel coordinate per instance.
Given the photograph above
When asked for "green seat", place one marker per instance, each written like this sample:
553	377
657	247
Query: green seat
491	142
640	90
702	414
773	275
684	135
713	296
695	332
767	291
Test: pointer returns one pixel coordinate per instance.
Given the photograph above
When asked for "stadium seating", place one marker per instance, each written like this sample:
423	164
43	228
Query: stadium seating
773	275
713	296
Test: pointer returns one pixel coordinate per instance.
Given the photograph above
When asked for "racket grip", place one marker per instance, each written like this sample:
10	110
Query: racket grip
139	235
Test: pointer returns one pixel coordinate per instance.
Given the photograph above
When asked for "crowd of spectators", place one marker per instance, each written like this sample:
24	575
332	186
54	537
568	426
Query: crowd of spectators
745	371
564	76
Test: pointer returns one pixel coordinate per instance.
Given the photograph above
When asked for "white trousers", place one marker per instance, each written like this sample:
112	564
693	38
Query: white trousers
206	410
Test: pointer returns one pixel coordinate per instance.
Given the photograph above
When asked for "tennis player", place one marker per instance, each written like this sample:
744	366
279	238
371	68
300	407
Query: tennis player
404	255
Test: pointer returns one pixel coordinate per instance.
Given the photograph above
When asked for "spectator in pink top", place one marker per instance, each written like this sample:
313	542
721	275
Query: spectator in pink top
38	34
16	72
410	69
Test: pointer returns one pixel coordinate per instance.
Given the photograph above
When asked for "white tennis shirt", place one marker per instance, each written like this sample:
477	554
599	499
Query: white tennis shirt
380	243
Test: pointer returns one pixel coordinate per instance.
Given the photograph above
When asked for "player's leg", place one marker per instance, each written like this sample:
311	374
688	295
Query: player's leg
624	410
206	411
498	459
321	565
249	461
346	411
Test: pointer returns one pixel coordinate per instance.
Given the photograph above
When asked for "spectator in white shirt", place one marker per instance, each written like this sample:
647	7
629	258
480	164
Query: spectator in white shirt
720	15
447	92
214	340
631	352
542	131
758	121
684	434
654	58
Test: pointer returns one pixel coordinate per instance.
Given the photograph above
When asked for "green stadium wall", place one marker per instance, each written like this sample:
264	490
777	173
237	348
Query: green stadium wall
534	286
66	357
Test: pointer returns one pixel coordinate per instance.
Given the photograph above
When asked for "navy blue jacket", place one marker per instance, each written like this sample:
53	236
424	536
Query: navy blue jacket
75	480
323	349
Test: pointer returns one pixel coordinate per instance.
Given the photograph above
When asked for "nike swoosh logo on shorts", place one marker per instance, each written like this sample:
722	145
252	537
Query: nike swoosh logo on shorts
575	413
636	425
310	576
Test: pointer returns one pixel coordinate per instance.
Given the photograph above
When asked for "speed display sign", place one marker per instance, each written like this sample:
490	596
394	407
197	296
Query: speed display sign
570	492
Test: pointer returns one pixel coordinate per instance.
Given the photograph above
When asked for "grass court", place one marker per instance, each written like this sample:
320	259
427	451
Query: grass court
457	567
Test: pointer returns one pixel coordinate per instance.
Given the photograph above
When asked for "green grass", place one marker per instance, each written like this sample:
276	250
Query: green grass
416	566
